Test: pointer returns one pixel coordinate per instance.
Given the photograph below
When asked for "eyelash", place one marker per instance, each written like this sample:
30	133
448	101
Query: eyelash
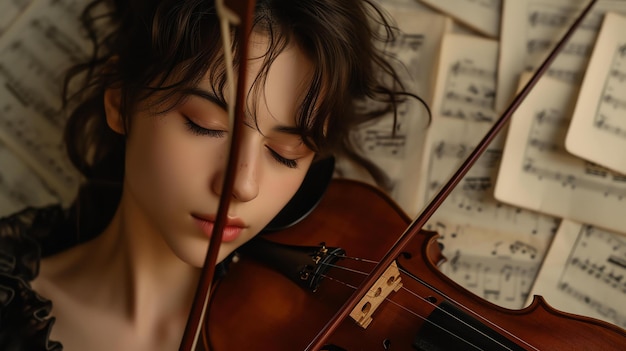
196	129
282	160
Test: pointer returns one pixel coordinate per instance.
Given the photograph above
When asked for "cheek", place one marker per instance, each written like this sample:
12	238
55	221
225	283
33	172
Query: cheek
282	188
166	166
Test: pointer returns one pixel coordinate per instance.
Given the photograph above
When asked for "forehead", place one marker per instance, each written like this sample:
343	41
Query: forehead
277	81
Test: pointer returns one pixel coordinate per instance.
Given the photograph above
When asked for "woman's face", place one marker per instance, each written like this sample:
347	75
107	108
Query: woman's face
175	162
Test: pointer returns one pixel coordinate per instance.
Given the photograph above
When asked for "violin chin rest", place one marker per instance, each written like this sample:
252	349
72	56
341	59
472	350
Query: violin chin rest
306	197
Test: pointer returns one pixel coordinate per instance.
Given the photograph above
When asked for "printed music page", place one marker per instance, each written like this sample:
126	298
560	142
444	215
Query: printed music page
34	54
598	129
583	273
11	10
537	172
494	250
531	28
19	186
399	152
480	15
462	107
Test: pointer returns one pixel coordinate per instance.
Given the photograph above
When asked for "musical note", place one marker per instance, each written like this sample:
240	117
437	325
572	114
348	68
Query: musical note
585	273
612	104
9	11
398	152
19	187
549	19
478	230
34	54
598	123
480	15
467	86
381	140
531	28
503	281
537	173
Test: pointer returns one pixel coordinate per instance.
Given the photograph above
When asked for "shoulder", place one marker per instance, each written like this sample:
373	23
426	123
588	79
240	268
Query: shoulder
24	315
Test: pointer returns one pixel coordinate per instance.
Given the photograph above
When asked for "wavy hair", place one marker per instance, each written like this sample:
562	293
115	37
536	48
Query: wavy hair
145	47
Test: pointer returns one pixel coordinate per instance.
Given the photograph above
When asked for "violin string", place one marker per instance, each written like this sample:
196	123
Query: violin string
355	258
477	315
496	326
411	312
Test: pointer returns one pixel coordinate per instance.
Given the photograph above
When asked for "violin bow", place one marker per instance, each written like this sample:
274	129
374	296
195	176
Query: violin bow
238	13
318	342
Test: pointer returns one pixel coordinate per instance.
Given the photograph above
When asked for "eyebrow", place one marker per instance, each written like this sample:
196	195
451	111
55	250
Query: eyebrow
206	96
201	93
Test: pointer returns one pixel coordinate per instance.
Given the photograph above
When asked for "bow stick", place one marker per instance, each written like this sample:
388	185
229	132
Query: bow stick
235	13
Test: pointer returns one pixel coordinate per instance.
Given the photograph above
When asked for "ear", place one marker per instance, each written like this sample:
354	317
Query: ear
112	101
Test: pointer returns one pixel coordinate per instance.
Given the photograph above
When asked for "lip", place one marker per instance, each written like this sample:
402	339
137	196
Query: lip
232	230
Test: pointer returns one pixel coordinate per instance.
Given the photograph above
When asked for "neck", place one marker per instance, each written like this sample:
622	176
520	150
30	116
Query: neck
156	284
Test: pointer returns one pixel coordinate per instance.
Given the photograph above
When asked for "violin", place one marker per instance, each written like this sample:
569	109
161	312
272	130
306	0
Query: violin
288	283
348	263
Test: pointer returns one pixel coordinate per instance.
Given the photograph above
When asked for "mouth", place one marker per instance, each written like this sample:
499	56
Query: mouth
232	230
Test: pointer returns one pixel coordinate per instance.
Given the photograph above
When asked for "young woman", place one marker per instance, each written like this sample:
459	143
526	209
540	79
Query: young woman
149	134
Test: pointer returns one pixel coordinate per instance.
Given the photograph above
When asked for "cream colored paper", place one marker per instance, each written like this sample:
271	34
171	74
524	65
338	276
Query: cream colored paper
34	54
19	185
537	172
10	10
531	28
598	129
481	237
399	155
583	273
480	15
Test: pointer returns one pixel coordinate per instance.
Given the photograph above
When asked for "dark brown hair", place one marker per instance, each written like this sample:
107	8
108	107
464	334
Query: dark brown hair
167	46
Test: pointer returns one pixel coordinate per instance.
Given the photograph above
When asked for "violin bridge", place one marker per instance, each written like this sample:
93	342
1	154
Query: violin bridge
388	282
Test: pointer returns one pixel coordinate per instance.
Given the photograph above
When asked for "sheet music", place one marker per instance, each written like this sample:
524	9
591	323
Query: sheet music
537	172
486	242
598	125
499	266
493	249
9	11
480	15
34	54
399	153
584	273
462	106
531	28
19	186
466	81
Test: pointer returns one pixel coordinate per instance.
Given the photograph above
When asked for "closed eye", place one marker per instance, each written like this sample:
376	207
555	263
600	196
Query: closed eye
197	130
291	163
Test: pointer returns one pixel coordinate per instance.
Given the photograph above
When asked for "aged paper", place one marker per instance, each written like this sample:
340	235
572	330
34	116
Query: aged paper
598	129
584	273
493	249
34	55
531	28
19	185
398	152
10	10
480	15
537	172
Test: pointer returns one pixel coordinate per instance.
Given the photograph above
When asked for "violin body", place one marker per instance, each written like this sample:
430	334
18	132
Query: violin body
256	308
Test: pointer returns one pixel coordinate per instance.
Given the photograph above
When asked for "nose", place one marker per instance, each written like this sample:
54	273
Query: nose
246	186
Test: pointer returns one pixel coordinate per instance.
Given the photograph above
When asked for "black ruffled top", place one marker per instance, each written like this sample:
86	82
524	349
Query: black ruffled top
25	321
